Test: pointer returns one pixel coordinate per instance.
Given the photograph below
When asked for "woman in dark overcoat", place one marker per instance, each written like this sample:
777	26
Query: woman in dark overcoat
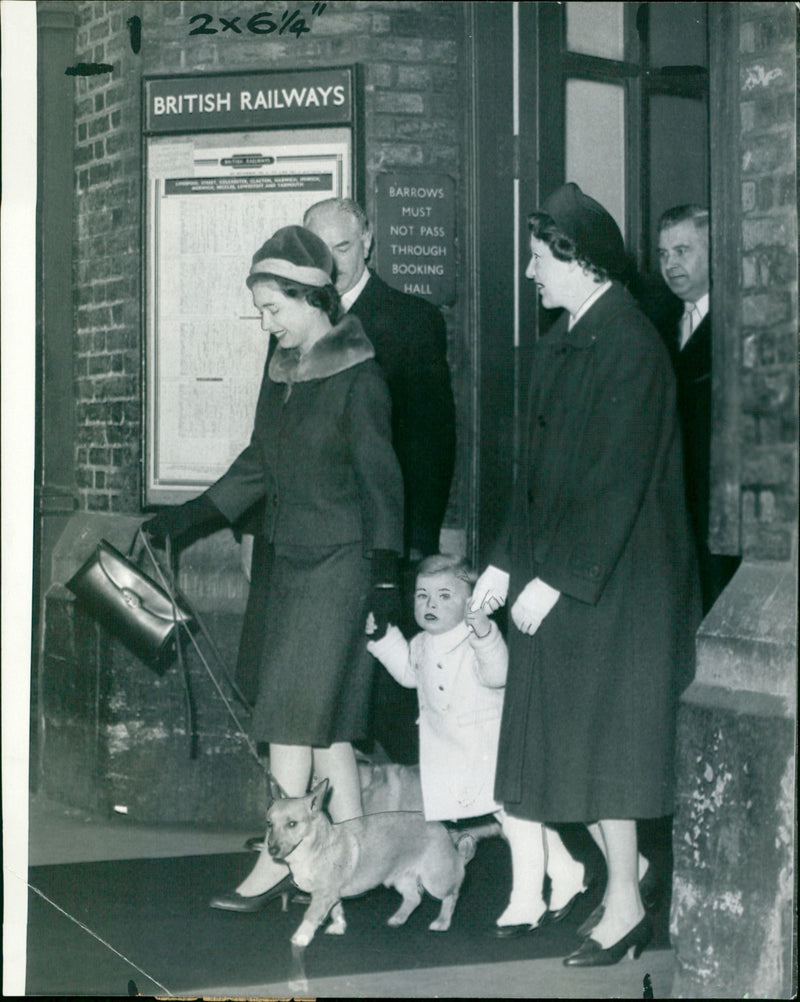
321	457
597	563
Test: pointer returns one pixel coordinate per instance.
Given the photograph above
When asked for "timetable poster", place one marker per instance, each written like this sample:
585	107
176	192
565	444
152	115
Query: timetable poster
213	199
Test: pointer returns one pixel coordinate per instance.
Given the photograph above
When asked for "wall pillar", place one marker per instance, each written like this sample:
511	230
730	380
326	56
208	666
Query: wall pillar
733	902
732	914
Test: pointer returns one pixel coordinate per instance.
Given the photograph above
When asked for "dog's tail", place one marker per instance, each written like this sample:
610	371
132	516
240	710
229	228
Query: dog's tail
475	832
479	832
466	846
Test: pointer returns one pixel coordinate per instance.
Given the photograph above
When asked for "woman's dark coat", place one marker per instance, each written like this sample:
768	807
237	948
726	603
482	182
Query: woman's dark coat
321	457
599	513
321	454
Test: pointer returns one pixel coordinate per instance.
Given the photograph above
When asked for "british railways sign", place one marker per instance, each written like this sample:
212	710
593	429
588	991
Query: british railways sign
248	101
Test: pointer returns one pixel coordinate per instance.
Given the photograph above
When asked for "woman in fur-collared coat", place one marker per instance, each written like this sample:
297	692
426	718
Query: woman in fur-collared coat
321	456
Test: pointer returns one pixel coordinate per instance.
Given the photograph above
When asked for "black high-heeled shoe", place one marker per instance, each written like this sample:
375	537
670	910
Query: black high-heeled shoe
559	914
549	917
235	902
520	929
591	920
653	886
652	890
514	931
592	954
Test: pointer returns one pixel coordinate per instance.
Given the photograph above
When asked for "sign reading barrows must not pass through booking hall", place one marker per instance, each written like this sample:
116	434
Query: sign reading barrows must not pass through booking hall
415	235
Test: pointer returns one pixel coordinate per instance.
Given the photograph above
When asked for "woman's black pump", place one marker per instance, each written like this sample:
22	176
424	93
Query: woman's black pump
235	902
591	954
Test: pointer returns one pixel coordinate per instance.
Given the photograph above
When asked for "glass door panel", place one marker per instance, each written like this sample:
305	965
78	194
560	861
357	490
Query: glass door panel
596	29
595	142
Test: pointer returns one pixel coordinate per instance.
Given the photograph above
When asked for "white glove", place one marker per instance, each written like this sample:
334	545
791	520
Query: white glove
491	589
533	603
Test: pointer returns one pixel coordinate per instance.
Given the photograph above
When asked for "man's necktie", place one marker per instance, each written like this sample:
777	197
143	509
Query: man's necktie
687	323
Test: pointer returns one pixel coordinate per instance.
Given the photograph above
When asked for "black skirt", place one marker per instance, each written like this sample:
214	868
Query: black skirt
315	673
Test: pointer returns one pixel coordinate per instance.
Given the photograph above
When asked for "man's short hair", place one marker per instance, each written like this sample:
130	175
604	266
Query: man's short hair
683	214
347	205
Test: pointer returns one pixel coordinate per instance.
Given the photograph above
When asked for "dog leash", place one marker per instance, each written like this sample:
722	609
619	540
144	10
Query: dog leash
173	592
183	667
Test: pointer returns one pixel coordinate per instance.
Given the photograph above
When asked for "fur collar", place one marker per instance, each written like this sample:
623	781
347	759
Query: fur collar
344	346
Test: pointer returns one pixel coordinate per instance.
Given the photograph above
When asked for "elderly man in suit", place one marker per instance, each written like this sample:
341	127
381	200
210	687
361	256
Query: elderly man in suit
410	342
683	251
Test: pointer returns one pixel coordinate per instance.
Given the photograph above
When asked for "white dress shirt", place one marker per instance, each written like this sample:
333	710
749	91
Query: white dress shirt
348	298
588	302
693	316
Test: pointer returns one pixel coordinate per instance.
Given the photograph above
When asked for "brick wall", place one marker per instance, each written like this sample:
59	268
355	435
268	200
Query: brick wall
106	263
411	54
769	280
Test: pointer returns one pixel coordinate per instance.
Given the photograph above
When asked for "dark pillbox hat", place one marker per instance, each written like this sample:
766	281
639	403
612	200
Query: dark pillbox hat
589	225
296	253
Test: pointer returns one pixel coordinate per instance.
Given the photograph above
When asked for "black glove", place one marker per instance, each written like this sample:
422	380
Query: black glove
174	522
385	600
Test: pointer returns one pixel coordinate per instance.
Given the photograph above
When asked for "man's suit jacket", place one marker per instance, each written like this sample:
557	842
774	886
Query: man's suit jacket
693	371
410	342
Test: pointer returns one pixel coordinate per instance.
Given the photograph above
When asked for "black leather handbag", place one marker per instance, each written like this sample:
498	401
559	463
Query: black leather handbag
130	604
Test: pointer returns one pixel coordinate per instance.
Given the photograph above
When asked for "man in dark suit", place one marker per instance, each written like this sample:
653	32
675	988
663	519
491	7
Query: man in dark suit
684	259
410	342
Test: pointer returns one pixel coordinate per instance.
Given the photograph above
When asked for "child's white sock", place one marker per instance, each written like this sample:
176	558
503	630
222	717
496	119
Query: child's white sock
526	841
565	872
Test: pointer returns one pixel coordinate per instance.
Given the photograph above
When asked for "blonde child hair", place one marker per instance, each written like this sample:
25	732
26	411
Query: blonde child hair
447	563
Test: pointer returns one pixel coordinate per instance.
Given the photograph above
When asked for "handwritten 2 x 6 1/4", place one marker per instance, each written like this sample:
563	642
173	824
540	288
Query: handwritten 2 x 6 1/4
262	23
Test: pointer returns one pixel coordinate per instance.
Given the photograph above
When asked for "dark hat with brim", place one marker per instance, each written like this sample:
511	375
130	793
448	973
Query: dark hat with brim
295	253
588	225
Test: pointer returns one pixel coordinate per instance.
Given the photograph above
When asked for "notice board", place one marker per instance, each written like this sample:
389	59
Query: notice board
212	199
415	234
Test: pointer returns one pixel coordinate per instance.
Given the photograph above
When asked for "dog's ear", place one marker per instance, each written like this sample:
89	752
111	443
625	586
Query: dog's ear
276	791
317	796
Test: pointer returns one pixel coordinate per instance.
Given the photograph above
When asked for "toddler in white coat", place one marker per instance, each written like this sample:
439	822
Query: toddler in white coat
458	666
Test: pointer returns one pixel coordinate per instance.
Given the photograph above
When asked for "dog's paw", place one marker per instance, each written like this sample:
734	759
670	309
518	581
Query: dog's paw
336	929
395	920
301	938
439	925
299	985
